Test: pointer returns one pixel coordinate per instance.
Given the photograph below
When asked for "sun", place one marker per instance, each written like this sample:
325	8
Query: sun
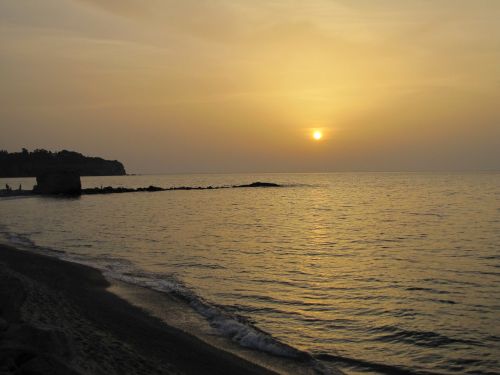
317	135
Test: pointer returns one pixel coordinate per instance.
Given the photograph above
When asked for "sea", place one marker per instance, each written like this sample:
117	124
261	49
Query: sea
369	273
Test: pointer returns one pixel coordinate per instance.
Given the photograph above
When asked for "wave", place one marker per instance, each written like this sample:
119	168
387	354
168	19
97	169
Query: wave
420	338
429	290
370	366
23	241
17	239
230	325
237	328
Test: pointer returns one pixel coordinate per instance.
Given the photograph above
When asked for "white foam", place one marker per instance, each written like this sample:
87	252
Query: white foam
18	239
232	326
229	325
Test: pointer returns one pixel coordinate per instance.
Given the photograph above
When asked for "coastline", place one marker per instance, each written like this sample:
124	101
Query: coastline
58	317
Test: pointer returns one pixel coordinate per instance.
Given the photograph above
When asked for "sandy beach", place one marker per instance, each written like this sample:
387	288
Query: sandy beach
57	317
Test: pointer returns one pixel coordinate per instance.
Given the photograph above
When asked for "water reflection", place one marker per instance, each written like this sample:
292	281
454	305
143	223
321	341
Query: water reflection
393	268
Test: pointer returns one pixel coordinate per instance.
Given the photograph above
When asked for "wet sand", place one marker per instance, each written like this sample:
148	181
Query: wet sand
57	318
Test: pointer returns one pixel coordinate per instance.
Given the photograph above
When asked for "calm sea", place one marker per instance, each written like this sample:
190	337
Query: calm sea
373	273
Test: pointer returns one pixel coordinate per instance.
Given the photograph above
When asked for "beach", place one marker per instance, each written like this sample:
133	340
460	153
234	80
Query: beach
328	272
57	317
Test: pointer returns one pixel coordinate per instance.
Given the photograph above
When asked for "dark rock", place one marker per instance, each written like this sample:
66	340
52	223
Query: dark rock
258	184
151	188
62	182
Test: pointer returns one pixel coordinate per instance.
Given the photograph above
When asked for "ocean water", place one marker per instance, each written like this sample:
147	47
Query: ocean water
368	272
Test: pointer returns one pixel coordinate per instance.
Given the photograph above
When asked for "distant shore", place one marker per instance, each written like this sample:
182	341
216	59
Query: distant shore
58	318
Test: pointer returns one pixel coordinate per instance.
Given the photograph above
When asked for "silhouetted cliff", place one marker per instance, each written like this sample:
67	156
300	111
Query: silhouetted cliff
31	164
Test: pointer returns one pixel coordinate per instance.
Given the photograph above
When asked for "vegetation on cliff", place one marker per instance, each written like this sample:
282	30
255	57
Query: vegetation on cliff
31	164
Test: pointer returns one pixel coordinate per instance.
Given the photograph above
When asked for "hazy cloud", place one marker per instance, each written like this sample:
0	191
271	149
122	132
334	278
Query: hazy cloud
229	80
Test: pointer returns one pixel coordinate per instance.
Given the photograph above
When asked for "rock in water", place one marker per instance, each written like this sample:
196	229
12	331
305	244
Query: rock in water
258	184
61	182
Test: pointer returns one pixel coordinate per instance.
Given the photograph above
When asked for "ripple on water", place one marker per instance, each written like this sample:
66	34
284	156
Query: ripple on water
389	273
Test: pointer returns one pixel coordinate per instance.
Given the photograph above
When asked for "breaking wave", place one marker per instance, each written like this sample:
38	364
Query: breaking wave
235	327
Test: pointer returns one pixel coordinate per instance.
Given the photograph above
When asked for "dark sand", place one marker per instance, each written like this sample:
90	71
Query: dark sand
57	318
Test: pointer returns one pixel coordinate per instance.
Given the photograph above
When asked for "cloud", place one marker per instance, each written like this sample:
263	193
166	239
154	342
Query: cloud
380	72
129	8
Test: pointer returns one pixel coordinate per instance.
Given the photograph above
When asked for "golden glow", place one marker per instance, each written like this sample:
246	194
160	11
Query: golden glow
317	135
385	85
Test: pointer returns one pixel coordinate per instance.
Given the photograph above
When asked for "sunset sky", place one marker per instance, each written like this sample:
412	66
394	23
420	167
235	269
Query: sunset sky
241	85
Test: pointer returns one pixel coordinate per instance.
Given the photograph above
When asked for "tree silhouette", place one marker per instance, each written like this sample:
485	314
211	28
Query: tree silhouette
30	164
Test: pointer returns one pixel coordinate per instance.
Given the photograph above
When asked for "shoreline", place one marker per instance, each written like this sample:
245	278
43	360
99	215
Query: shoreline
59	317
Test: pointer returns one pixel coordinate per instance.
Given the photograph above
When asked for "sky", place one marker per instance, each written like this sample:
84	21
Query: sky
241	85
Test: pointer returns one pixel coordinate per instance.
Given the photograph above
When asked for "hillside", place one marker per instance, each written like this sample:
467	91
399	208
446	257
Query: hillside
31	164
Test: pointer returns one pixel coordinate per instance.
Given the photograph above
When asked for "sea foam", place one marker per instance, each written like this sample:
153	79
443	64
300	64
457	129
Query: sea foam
230	325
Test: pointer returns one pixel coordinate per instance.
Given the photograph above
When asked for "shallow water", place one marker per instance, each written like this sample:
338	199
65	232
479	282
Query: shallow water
380	273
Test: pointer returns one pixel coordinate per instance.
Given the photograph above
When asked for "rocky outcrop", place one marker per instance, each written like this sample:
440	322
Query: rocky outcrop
62	182
113	190
55	183
31	164
258	184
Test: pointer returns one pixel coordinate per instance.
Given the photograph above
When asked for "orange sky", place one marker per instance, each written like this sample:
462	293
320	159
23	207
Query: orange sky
240	85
